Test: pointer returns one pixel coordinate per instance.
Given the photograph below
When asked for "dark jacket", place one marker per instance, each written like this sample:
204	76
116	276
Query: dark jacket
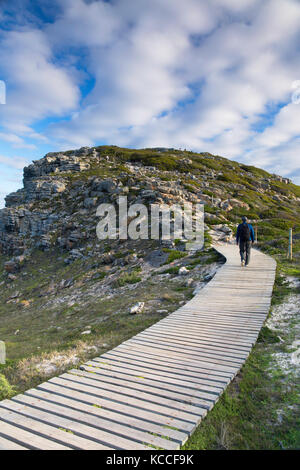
252	236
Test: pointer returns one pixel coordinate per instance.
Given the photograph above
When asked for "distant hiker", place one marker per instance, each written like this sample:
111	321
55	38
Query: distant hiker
244	236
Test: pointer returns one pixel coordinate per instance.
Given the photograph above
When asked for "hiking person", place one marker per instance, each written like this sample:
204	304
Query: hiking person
244	236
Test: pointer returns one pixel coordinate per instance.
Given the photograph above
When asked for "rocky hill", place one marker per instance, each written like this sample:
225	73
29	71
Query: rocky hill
57	206
66	295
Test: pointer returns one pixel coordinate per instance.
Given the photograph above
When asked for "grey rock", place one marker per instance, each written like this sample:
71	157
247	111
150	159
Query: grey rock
137	308
90	202
183	271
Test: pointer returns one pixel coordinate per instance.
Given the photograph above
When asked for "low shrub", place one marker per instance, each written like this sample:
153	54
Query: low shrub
6	390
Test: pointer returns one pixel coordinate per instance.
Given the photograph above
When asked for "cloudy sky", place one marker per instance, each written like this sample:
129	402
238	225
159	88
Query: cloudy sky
221	76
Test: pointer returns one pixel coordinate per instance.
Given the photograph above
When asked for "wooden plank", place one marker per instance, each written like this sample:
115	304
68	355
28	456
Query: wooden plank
131	372
193	397
181	411
222	327
196	352
229	318
203	317
233	333
169	369
31	419
6	444
158	348
122	407
144	384
233	306
169	399
199	316
27	438
194	345
91	410
84	437
218	339
220	342
179	362
195	342
120	433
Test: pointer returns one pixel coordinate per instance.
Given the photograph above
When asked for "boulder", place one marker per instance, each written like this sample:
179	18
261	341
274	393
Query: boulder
229	204
14	265
105	186
183	271
148	194
90	202
137	308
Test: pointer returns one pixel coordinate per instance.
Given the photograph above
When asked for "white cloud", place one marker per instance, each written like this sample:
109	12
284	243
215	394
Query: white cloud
36	87
281	159
194	74
286	126
16	141
14	162
84	24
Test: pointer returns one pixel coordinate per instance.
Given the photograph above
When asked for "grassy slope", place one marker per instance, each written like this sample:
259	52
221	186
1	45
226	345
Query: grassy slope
46	328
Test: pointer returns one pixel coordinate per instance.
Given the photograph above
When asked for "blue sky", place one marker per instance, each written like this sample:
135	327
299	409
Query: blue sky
221	76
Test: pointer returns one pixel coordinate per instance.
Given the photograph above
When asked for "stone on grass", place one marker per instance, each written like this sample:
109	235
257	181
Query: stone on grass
182	271
2	352
10	266
137	308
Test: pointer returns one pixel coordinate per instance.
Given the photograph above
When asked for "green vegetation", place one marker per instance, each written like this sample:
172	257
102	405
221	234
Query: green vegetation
128	278
161	162
172	270
66	430
6	390
174	255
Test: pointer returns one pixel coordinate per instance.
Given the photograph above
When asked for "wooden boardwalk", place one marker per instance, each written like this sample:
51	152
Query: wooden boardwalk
154	389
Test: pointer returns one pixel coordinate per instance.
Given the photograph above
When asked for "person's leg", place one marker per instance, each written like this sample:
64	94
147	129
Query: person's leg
242	250
248	248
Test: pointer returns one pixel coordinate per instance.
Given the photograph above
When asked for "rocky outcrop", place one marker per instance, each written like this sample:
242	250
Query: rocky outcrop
281	179
21	224
42	188
55	163
229	204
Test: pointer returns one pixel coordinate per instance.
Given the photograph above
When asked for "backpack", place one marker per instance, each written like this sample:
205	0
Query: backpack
245	233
